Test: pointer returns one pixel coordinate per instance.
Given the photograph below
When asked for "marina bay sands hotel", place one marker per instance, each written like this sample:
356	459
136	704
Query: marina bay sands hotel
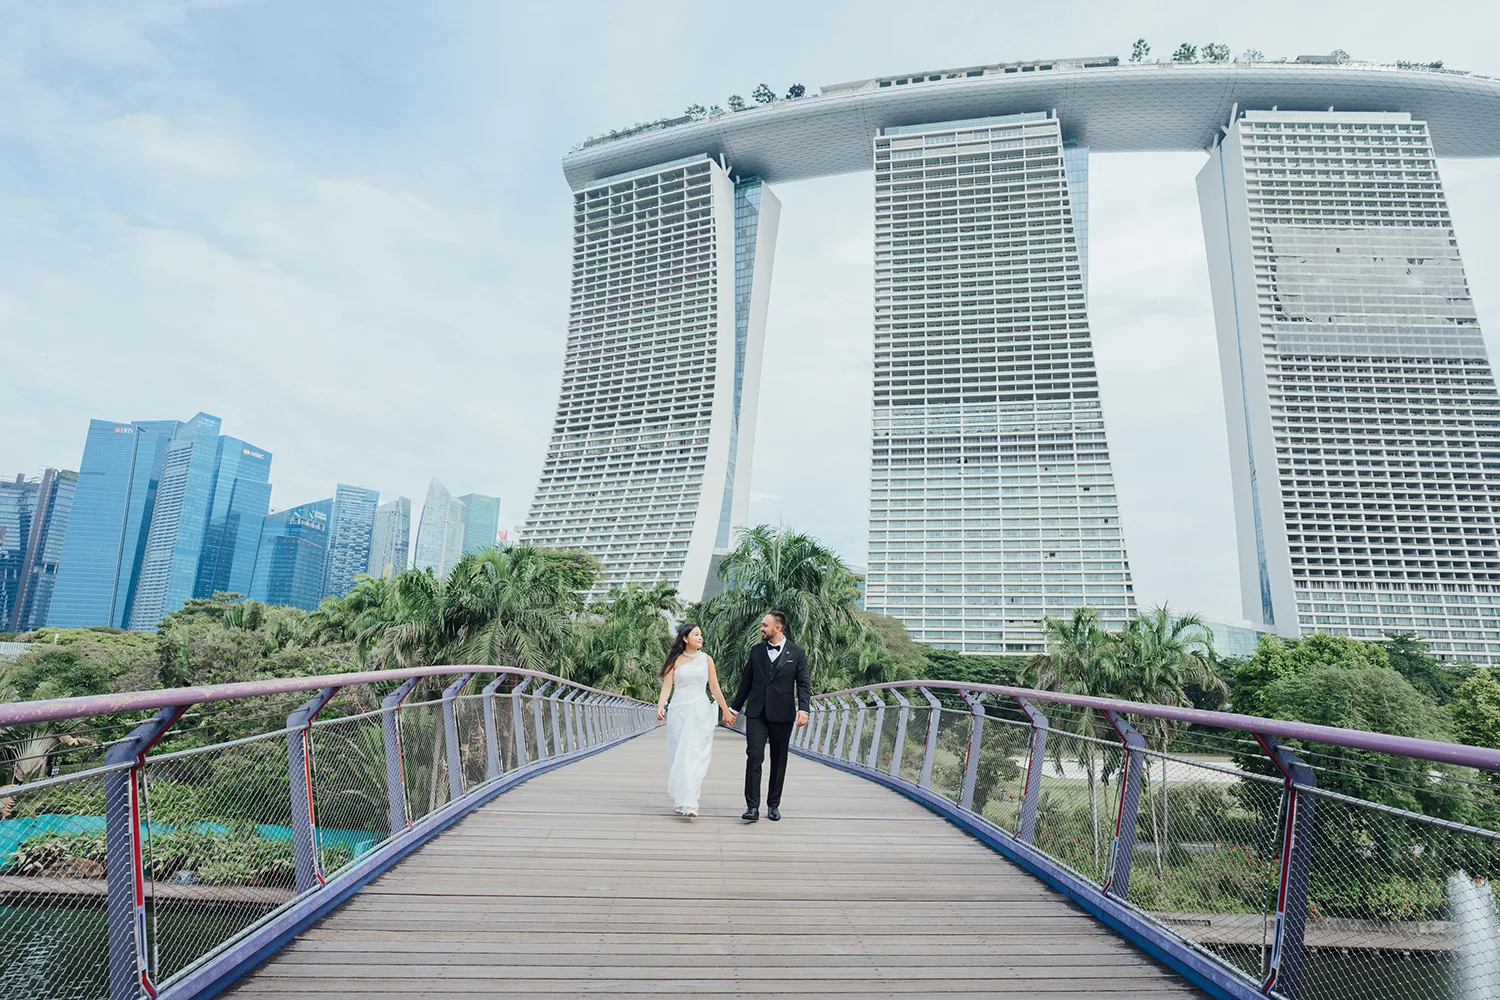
1363	421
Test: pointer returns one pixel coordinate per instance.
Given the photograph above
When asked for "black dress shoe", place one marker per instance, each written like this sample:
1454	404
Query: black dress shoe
750	815
773	813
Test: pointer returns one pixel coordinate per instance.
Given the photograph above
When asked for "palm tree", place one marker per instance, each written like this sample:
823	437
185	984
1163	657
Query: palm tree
1078	660
624	639
775	569
1157	657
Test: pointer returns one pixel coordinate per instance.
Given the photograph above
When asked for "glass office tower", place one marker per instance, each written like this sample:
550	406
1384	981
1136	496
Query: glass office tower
210	490
390	542
992	498
349	537
112	507
440	533
34	518
1364	424
481	521
652	441
292	557
239	502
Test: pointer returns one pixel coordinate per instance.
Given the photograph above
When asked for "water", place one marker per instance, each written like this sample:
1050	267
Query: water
1478	972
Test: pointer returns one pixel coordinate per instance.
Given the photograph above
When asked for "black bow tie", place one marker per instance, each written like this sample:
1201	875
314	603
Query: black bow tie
775	646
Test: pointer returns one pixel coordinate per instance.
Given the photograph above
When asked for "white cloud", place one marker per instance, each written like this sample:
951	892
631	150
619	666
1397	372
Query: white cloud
349	236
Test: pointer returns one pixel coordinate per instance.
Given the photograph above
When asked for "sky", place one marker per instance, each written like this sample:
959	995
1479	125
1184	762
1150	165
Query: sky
344	229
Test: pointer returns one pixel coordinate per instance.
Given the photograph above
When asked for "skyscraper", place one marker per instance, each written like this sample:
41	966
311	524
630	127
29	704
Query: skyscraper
207	490
649	464
440	534
390	543
1363	418
349	537
44	507
481	521
111	518
292	557
17	501
239	501
992	497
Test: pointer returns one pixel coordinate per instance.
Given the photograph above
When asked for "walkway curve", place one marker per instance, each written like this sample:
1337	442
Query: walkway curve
583	882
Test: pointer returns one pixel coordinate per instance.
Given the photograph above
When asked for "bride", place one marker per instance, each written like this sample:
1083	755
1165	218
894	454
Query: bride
688	677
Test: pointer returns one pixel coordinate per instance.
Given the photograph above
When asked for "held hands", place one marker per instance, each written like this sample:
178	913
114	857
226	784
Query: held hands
729	716
801	718
661	712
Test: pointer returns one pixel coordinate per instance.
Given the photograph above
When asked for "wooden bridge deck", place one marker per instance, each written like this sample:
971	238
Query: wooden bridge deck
583	881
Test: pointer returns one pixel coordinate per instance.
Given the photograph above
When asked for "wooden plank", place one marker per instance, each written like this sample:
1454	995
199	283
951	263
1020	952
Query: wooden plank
584	882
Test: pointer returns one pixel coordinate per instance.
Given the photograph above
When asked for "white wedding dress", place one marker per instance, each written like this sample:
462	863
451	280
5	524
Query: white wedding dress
691	719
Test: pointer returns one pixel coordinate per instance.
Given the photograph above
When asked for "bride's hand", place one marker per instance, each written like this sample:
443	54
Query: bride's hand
661	712
729	716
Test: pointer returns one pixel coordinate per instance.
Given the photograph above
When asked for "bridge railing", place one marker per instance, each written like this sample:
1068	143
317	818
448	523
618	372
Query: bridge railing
176	834
1268	857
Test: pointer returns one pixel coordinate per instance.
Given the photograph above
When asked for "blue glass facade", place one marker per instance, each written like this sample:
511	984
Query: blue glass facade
481	521
17	502
290	564
101	553
48	529
349	535
746	231
238	504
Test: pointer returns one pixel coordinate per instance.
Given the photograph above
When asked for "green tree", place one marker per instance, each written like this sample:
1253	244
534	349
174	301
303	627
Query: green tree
776	569
623	640
1408	656
795	91
1216	52
1475	711
1079	660
696	111
1186	52
763	94
1252	55
1140	50
737	103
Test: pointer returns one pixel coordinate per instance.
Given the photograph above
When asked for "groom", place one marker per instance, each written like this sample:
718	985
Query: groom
765	693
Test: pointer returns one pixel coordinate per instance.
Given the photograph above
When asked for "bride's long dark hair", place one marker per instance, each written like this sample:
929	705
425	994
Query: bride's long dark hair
679	646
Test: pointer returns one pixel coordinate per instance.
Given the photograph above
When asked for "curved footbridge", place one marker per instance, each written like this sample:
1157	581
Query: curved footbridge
583	881
490	831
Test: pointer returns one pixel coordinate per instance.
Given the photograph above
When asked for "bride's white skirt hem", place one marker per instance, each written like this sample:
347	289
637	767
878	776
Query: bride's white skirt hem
690	738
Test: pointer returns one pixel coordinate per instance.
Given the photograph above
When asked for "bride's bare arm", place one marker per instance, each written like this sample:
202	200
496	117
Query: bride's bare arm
713	687
666	691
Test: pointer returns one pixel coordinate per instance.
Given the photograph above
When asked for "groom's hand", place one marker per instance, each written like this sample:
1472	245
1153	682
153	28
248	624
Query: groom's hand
729	716
801	718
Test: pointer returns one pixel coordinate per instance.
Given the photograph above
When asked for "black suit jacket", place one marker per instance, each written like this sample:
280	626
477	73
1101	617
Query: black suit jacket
766	687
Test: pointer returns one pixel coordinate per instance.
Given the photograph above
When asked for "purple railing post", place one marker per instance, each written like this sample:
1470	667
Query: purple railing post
838	746
536	717
817	724
1298	780
1031	794
395	770
859	729
125	878
934	717
831	713
518	721
901	719
874	757
559	738
450	737
590	732
1122	848
491	730
570	712
306	865
971	759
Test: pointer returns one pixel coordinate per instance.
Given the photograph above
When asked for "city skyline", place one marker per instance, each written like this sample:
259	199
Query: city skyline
1149	309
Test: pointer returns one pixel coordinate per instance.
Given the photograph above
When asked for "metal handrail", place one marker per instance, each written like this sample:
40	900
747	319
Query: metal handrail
225	791
1142	860
22	713
1436	751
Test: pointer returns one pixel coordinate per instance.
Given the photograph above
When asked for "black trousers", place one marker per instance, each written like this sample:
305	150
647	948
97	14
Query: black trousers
759	732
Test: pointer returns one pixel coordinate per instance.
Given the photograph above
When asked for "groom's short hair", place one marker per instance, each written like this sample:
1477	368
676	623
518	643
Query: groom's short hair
780	618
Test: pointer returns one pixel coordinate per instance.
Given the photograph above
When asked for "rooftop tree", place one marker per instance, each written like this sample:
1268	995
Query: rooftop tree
763	94
1140	50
